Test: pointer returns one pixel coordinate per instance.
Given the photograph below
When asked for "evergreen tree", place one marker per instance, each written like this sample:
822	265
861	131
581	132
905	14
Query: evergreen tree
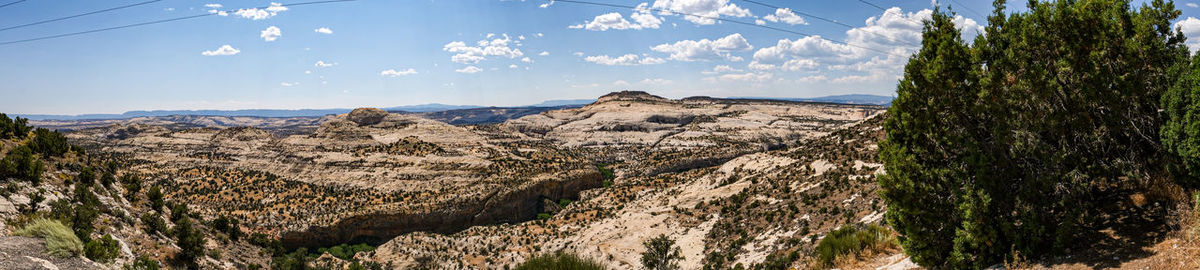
1009	144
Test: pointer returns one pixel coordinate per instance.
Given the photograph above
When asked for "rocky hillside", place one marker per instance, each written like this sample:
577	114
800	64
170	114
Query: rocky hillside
734	182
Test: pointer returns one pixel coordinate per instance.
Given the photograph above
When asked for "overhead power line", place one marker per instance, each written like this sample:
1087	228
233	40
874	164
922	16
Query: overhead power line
12	3
968	9
800	12
78	15
825	19
158	22
720	19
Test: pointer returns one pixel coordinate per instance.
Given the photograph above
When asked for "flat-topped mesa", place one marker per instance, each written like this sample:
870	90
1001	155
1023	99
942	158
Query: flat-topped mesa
242	134
630	96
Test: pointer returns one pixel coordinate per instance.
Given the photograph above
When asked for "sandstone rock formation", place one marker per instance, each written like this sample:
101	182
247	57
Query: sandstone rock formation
366	116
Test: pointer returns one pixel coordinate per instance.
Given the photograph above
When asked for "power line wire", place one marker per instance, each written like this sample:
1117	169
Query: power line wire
827	20
801	13
720	19
968	9
158	22
78	15
12	3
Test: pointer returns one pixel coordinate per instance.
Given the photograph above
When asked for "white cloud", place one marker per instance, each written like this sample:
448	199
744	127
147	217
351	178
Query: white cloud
642	19
577	54
547	4
1192	5
742	77
465	54
705	49
261	14
322	64
967	27
620	83
397	73
213	5
512	66
288	84
1191	29
656	81
720	69
526	60
323	30
540	35
468	70
544	53
624	60
223	50
705	10
785	15
271	33
760	22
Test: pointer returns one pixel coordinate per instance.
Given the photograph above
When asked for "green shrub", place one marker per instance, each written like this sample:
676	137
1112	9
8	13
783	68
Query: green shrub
851	240
543	216
22	164
142	263
189	239
153	223
102	250
60	240
559	261
661	254
156	199
49	143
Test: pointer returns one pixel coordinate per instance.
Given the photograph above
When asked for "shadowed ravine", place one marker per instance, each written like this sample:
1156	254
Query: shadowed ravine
508	206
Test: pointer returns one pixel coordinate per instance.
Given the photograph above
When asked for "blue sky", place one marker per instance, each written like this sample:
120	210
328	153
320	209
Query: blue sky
480	52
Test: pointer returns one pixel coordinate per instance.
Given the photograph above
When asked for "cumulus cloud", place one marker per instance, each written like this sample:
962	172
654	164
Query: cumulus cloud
706	10
742	77
544	53
323	30
468	70
785	15
261	14
642	19
1192	5
624	60
271	33
223	50
397	73
212	5
466	54
1191	29
720	69
705	49
288	84
323	64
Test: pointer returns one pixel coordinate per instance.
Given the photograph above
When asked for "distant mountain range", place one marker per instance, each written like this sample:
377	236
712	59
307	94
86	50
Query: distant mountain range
841	99
422	108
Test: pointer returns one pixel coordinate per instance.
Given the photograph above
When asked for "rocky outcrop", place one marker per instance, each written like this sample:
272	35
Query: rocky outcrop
510	206
631	96
342	130
366	116
242	134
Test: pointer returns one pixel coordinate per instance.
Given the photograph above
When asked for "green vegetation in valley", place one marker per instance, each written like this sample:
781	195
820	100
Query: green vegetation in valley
559	261
1011	143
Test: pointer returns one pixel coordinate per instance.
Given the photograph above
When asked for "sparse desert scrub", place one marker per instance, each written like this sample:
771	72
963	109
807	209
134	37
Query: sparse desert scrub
60	240
559	261
1190	228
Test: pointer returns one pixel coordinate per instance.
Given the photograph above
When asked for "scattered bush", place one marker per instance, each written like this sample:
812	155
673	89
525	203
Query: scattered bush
142	263
13	128
156	199
102	250
49	143
22	164
346	251
559	261
661	254
153	223
60	240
